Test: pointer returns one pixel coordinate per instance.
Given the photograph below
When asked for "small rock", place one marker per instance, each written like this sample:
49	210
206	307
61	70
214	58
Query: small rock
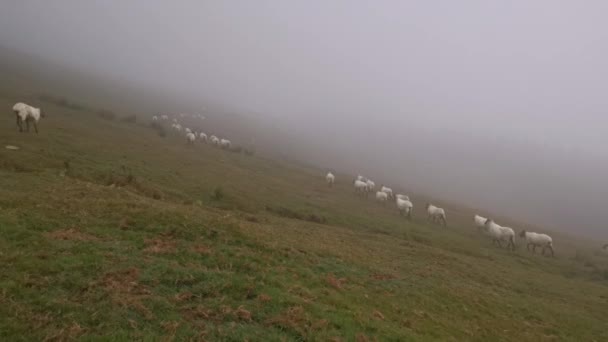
11	147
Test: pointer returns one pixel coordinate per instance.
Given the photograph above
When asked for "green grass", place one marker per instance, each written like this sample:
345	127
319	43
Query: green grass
146	238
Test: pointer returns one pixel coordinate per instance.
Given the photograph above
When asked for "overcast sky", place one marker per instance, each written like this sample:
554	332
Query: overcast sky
502	104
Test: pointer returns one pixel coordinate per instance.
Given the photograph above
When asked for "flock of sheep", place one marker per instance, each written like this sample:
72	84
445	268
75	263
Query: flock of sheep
499	234
192	135
363	186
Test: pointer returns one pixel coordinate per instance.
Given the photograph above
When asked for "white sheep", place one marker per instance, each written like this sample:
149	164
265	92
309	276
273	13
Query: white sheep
480	222
403	197
155	118
361	178
538	240
164	117
387	190
371	186
225	143
435	214
188	130
499	233
215	141
360	187
330	178
26	113
190	137
203	137
381	196
178	127
405	206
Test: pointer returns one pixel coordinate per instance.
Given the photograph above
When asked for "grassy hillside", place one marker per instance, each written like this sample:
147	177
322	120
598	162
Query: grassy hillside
109	230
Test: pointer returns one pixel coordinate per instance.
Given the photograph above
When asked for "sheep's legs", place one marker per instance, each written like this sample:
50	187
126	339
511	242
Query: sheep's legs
551	249
35	127
19	123
534	249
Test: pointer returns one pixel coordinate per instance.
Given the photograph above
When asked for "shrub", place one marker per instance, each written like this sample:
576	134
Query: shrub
218	193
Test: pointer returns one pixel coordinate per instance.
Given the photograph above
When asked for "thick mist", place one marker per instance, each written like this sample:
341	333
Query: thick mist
495	106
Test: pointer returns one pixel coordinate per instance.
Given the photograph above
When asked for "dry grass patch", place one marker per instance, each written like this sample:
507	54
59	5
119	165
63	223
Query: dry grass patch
160	246
71	234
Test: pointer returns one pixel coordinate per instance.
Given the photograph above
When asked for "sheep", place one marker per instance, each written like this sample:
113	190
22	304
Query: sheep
26	113
499	233
360	187
480	222
178	127
225	144
370	185
536	240
403	197
190	137
435	213
381	196
155	118
188	130
405	207
330	178
387	190
203	137
164	117
215	141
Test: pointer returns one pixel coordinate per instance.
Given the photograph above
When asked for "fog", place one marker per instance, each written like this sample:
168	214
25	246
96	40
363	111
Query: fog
498	106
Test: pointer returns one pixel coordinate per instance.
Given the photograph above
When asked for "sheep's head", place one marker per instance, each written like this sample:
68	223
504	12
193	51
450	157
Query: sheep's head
488	221
428	205
523	233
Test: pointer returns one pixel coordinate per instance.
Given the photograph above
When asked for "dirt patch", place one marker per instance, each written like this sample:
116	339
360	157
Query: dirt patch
292	214
159	246
294	318
335	282
72	234
125	290
202	250
380	276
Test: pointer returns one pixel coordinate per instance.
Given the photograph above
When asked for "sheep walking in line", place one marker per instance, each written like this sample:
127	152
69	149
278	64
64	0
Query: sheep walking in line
381	197
499	234
330	179
405	206
360	187
190	137
436	214
203	137
387	190
371	186
538	240
225	144
403	197
26	113
215	141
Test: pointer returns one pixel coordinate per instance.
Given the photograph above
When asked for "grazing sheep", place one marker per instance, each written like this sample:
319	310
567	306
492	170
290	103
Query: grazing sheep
203	137
26	113
371	186
360	187
403	197
164	117
499	234
225	144
330	178
381	196
215	141
155	118
480	222
405	206
190	137
538	240
188	130
435	214
387	190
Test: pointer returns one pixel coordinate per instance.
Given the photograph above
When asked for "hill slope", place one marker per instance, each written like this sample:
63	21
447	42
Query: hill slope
109	230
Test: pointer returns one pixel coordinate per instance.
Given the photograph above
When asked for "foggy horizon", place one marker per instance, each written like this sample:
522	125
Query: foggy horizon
499	107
